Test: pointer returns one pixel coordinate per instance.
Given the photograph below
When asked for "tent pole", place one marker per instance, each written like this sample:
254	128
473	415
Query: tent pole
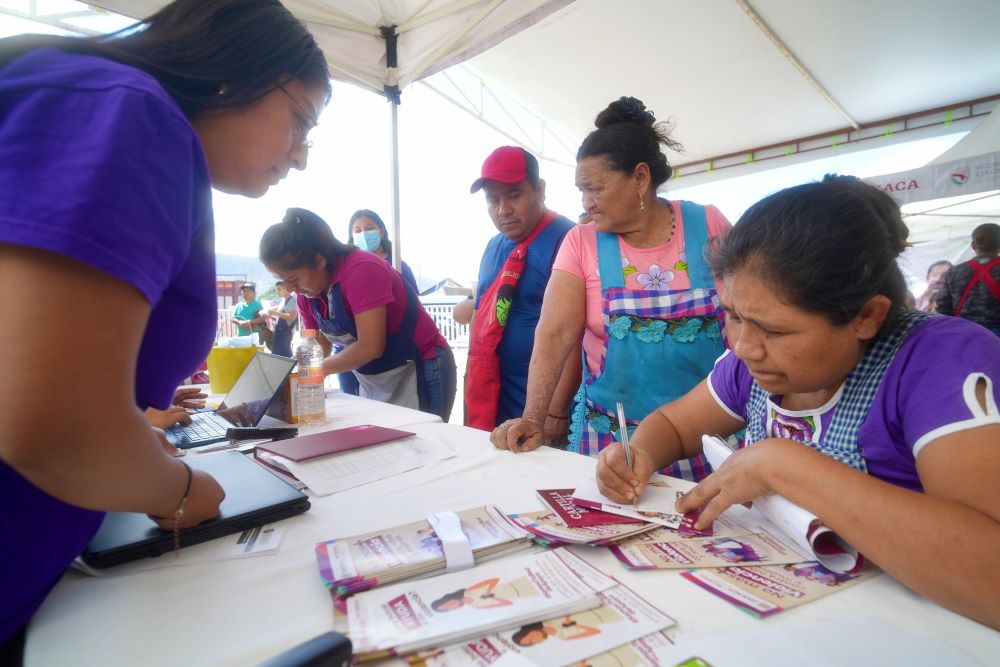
397	252
391	90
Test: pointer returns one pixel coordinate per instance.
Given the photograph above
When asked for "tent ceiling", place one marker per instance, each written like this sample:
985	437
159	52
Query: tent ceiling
706	64
432	34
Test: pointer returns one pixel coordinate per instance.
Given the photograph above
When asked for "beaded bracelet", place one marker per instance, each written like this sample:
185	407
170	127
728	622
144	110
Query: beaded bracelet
176	516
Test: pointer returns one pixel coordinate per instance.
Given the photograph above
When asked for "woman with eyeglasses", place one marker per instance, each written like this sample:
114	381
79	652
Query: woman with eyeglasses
109	148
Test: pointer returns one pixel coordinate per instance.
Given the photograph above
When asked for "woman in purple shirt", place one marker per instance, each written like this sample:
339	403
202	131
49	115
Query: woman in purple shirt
880	420
109	148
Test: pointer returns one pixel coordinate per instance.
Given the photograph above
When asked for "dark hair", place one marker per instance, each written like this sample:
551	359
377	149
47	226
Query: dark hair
385	245
207	54
986	238
940	262
828	246
295	241
457	595
526	630
279	283
628	134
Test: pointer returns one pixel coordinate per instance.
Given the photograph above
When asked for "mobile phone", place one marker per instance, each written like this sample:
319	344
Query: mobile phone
262	433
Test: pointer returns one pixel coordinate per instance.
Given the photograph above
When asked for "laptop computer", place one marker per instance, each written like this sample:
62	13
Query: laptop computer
244	405
254	497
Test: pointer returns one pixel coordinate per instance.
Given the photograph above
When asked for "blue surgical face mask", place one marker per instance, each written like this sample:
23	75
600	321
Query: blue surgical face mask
368	240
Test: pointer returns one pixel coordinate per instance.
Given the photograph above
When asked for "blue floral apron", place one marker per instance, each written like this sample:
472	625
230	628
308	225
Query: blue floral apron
659	345
841	439
392	378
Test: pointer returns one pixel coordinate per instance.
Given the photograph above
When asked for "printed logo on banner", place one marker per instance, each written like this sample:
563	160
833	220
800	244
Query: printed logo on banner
960	176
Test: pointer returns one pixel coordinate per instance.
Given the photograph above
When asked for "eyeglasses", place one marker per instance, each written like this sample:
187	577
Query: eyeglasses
305	124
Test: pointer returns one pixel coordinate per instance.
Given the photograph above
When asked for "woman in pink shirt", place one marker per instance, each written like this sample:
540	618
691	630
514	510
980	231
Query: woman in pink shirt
634	284
361	304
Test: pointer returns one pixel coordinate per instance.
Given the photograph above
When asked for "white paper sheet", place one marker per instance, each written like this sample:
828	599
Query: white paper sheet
330	474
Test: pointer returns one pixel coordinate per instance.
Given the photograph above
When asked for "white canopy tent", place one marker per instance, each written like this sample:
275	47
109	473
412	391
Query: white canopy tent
750	82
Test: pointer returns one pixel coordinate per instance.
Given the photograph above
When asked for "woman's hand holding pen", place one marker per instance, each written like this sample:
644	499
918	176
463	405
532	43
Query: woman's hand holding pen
616	480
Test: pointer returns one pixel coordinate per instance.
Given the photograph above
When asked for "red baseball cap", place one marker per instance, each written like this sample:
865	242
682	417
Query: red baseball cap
507	164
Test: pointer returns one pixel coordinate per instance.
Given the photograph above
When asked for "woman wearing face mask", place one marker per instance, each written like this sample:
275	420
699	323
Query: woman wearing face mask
367	231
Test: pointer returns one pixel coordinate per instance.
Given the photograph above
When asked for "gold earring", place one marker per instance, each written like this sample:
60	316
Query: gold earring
642	203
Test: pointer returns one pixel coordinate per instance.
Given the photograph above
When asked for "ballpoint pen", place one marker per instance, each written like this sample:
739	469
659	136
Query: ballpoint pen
623	432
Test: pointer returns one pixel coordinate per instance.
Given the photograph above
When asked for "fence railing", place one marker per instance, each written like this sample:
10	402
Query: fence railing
456	334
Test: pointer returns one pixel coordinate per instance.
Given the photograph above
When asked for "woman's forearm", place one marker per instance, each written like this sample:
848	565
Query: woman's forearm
118	466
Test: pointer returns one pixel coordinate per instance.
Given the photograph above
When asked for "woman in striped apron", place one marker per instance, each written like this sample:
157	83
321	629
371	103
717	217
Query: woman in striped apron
636	287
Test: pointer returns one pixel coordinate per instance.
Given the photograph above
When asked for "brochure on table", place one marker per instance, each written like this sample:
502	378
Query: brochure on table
359	562
769	589
624	617
460	606
548	528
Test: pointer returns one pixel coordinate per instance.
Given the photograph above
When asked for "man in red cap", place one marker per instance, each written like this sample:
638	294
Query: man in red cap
513	273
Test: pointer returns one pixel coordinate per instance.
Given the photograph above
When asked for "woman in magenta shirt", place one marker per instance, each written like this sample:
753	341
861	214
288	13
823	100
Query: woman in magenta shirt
361	304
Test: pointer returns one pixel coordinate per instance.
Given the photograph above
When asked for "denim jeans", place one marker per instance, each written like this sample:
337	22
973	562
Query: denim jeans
436	383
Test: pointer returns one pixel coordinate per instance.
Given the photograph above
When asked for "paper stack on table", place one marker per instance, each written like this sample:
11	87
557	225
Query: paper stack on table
360	562
332	461
461	606
572	639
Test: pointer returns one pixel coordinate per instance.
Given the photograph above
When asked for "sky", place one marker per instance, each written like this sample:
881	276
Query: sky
444	228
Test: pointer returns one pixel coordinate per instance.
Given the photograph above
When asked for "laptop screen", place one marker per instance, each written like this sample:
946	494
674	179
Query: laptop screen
246	402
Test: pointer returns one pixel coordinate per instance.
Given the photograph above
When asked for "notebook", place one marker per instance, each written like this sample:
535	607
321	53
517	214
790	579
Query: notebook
253	497
244	405
305	447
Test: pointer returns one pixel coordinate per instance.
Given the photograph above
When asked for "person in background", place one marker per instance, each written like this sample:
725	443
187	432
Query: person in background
972	289
286	316
247	314
362	305
634	283
882	421
131	132
367	231
935	276
513	273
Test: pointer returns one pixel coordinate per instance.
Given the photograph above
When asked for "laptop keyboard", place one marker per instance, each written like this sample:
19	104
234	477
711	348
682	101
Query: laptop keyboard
206	427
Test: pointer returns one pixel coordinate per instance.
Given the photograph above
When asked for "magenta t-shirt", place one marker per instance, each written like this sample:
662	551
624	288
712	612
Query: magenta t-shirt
928	392
98	163
367	281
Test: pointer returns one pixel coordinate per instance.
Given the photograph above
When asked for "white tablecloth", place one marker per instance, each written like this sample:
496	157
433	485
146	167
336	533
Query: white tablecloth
239	612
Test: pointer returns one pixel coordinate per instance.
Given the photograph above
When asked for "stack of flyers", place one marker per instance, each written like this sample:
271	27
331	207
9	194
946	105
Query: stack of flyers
622	618
656	504
768	589
361	562
462	606
548	529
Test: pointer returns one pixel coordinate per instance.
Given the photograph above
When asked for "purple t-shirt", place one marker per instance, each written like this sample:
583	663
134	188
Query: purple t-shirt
927	393
98	163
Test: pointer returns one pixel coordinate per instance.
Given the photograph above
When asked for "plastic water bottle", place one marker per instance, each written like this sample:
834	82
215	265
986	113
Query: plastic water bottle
310	396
